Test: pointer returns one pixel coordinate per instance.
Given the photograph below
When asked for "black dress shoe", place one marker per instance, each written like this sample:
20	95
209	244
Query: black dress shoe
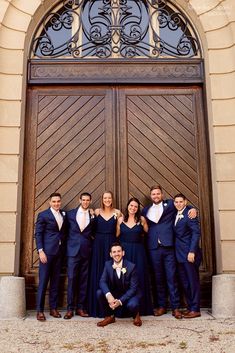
82	313
40	316
68	315
55	313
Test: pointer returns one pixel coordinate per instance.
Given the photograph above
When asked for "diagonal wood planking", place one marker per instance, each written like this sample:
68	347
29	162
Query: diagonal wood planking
70	143
161	145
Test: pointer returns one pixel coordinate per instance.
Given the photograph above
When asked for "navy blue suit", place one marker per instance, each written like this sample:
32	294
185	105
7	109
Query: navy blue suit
51	240
187	236
160	244
125	289
79	244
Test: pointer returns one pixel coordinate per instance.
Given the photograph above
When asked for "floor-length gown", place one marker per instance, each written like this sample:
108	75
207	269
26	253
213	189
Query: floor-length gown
133	244
105	235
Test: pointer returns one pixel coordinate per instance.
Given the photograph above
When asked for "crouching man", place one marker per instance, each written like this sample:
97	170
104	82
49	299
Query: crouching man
119	288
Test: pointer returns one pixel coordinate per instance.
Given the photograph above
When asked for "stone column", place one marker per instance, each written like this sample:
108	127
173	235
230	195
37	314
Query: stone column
12	297
223	296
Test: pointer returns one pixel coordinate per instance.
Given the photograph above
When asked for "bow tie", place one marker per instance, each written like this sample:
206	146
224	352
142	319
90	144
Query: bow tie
115	266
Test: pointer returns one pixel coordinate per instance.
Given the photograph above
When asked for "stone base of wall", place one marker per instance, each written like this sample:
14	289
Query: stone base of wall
223	296
12	297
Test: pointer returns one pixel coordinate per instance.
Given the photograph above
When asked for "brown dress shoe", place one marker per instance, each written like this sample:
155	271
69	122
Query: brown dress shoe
137	320
68	315
82	313
55	313
41	316
177	314
159	311
192	315
185	311
107	320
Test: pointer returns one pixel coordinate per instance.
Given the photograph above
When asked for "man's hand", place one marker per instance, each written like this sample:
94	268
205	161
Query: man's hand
42	257
191	257
192	213
110	299
116	303
92	212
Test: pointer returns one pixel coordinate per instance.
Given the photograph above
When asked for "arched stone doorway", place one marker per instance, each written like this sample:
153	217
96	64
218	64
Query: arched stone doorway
117	107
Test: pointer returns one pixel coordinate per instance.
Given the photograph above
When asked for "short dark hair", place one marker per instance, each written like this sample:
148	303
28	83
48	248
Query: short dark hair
180	195
116	243
55	194
85	194
156	187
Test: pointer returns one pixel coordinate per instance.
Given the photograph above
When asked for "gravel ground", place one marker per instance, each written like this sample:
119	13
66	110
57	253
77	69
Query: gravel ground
81	335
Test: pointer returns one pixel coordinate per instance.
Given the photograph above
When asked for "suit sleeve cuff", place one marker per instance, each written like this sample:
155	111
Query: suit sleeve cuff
107	294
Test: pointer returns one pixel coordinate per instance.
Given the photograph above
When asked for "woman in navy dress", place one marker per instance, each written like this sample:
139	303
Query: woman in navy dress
105	235
130	230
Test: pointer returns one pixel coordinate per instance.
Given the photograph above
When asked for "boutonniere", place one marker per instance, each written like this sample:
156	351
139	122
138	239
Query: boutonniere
115	215
180	216
123	270
165	204
63	213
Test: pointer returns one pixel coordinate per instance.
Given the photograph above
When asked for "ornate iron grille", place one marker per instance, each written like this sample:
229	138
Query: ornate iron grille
117	29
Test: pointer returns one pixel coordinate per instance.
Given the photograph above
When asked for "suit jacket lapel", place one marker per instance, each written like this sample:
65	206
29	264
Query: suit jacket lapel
164	205
111	272
75	217
124	265
147	209
63	214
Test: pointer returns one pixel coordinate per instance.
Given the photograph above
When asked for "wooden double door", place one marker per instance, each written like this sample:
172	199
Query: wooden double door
119	138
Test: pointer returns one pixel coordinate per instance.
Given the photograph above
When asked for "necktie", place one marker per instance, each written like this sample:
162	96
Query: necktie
115	266
158	215
83	221
59	219
177	217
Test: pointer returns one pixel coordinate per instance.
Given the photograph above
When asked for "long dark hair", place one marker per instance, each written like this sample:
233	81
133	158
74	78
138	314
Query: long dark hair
137	215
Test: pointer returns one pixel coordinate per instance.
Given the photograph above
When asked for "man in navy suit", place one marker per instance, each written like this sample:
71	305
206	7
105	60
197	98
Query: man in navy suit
50	236
80	231
119	288
188	255
160	243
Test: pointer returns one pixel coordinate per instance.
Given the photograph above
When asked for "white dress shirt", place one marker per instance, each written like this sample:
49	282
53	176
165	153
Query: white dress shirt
179	215
155	212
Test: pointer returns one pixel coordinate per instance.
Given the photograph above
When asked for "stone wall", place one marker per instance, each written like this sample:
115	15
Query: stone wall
215	22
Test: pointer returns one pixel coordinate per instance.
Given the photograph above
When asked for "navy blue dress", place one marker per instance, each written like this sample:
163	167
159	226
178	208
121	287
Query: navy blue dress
105	235
133	244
